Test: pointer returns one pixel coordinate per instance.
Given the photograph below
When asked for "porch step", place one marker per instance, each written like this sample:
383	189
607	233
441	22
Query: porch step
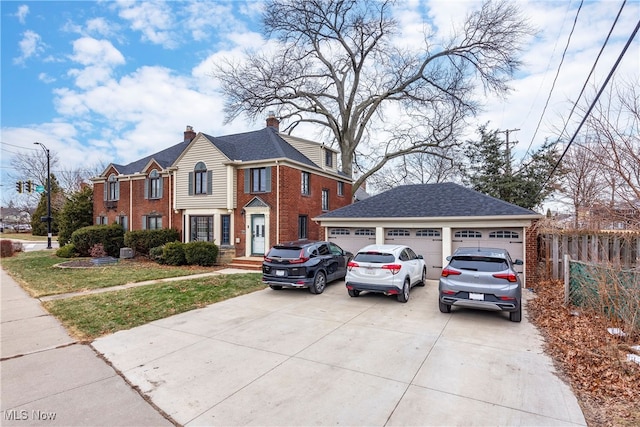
247	263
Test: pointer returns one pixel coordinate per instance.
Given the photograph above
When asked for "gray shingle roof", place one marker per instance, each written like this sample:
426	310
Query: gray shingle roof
261	144
428	200
164	158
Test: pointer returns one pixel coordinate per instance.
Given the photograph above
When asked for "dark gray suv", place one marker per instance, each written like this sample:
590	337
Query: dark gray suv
304	264
483	278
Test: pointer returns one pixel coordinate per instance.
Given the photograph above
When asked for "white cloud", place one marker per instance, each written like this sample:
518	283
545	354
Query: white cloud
45	78
154	20
21	14
99	26
90	51
30	45
144	112
99	58
206	18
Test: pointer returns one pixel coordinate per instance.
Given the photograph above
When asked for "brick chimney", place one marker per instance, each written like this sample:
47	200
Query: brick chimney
273	122
189	134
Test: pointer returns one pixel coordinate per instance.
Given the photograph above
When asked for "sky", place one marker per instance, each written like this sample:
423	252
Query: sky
113	81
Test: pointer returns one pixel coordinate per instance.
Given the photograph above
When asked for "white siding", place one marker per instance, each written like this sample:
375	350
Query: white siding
202	150
313	150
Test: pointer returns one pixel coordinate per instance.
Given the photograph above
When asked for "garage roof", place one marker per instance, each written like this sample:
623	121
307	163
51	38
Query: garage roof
428	200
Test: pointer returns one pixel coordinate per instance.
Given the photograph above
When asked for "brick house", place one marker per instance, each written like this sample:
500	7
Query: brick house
246	192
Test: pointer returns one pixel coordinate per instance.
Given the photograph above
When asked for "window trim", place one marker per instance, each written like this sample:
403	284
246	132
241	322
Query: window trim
325	200
305	184
154	188
113	188
328	158
303	226
249	181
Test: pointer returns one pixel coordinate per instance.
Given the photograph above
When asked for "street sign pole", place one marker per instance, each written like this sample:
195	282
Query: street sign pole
46	150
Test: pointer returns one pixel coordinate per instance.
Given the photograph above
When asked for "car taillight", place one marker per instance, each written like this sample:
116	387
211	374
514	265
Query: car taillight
450	272
506	298
395	268
300	260
352	264
267	259
507	276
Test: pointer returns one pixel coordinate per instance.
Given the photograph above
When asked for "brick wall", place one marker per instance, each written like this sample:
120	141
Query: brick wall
531	251
134	190
292	204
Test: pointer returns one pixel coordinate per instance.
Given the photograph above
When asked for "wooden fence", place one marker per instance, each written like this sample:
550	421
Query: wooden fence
618	249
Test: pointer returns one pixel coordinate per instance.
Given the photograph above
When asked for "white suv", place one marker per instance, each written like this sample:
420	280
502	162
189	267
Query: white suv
388	269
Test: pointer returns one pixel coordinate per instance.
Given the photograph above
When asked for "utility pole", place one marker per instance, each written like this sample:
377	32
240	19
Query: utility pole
48	219
508	151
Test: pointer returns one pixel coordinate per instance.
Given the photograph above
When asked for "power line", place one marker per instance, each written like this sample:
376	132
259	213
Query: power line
555	79
593	67
593	103
17	146
586	81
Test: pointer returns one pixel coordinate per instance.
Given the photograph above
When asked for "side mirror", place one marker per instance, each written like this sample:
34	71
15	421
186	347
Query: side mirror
518	262
420	257
448	258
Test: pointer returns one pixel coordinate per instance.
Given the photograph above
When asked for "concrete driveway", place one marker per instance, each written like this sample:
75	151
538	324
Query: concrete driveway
292	358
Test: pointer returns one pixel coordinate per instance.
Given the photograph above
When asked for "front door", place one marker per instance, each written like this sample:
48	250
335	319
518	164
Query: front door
257	234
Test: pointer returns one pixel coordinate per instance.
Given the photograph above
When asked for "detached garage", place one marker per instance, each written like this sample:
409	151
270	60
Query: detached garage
434	220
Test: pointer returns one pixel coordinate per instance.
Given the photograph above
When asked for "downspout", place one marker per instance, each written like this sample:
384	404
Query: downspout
169	202
130	203
277	202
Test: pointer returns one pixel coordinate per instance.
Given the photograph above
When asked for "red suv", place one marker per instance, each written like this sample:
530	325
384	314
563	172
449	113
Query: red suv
304	264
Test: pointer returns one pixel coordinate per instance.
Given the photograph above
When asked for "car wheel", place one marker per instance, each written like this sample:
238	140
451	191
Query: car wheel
424	278
404	295
319	283
353	292
444	308
275	287
516	316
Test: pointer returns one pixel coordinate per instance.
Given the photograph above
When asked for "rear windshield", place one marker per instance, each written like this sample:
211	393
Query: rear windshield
479	263
290	253
374	257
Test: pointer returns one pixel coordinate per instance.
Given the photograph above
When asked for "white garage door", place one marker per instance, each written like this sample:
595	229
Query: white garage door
352	239
511	239
426	242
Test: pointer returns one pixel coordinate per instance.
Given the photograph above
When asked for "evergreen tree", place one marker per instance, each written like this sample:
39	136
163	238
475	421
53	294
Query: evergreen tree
76	213
489	171
58	199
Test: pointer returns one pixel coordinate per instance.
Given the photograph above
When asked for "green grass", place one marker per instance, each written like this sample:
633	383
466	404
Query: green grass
36	272
26	236
88	317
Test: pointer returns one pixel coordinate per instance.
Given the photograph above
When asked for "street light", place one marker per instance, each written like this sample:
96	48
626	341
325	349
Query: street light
46	150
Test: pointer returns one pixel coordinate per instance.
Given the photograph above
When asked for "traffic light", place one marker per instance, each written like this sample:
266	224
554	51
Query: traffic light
28	187
19	186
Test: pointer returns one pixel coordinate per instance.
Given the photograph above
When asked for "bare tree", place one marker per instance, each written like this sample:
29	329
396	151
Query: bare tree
337	67
584	181
32	165
419	168
72	179
615	126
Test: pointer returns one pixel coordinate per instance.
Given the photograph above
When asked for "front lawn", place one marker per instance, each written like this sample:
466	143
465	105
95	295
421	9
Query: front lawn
37	274
91	316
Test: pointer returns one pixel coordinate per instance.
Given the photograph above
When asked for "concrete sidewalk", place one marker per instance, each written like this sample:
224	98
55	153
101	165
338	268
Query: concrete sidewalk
47	378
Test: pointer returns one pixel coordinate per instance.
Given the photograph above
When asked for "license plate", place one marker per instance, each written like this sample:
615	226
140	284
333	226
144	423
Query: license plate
477	297
370	271
280	272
